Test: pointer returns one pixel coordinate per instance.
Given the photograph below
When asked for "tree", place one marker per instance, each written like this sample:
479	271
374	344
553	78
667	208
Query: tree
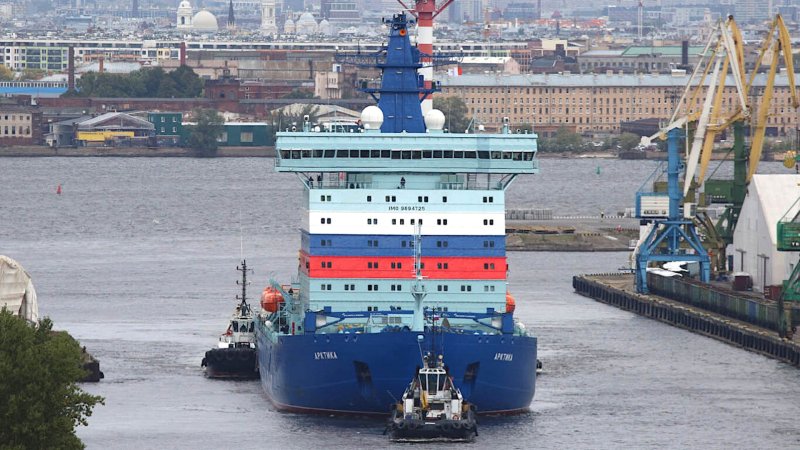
302	94
281	120
189	83
40	401
182	82
565	140
455	111
32	74
204	134
5	73
627	141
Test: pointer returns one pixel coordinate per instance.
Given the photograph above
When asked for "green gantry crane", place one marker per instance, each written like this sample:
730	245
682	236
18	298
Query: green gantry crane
789	241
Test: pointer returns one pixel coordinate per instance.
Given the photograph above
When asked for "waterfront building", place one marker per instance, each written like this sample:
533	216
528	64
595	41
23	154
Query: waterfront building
168	126
20	125
593	104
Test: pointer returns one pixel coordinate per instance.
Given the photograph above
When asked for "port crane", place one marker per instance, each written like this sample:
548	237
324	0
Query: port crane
712	120
776	44
670	234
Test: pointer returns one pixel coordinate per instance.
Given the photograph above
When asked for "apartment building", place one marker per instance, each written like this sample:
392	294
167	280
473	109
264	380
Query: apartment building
596	104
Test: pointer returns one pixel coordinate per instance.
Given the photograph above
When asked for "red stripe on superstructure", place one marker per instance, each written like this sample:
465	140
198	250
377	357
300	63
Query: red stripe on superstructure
437	268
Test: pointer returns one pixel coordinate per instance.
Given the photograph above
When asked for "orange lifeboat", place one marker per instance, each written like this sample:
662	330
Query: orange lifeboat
270	299
510	303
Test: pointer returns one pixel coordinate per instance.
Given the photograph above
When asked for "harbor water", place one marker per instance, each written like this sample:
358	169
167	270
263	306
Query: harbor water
136	259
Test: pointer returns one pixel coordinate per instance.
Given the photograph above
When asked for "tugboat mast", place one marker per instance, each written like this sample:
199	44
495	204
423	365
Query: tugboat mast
244	307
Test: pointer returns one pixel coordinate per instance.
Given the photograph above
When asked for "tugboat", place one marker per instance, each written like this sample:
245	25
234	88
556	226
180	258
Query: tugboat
235	354
432	408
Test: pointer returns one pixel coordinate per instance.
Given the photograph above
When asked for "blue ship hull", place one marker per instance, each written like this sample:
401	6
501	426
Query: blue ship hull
367	373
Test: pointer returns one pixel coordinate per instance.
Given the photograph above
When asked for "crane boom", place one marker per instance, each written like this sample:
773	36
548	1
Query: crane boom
783	45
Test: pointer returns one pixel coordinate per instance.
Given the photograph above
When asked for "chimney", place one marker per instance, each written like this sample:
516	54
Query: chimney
183	53
684	54
71	68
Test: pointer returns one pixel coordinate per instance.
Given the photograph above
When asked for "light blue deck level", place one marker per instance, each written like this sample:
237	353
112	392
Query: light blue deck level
406	152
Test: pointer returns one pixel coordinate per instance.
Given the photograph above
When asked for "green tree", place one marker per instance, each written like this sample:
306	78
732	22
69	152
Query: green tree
203	135
40	401
455	111
182	82
6	74
281	120
565	140
189	83
32	74
298	93
627	141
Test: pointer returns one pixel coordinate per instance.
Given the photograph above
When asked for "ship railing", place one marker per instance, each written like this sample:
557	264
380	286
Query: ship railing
481	185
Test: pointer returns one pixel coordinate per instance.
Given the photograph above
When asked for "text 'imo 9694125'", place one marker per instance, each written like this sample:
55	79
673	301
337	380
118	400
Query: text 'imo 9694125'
402	245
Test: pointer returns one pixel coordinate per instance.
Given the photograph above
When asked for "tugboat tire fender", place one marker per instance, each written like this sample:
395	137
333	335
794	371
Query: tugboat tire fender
413	425
230	356
244	356
447	426
401	425
457	425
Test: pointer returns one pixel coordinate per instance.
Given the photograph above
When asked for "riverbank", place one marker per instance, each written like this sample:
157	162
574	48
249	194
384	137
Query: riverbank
269	152
161	152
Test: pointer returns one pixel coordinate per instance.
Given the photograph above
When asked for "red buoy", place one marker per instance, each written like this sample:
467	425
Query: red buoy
58	190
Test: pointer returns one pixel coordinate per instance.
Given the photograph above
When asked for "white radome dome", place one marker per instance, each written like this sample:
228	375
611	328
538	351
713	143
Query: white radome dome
434	120
372	118
204	21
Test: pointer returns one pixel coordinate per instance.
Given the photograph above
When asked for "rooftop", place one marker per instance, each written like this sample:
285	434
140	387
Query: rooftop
588	80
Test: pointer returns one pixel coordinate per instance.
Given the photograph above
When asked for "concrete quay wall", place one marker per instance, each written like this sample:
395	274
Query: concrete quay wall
613	289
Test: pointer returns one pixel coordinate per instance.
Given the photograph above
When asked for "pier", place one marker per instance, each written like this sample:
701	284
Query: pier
739	321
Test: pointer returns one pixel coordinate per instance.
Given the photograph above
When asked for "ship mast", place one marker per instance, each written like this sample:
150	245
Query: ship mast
417	288
243	306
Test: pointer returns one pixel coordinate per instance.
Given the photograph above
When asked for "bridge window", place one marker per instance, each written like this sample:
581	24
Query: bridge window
437	153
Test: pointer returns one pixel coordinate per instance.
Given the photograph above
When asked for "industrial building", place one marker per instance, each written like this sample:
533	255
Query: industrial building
755	243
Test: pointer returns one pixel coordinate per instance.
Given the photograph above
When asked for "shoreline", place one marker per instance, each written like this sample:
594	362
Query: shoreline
131	152
269	152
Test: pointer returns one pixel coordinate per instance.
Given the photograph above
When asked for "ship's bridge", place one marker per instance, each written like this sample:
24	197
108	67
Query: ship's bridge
406	152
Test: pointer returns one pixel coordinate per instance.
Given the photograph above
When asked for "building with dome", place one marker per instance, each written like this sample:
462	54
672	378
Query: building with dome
306	25
205	22
324	28
288	26
185	11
